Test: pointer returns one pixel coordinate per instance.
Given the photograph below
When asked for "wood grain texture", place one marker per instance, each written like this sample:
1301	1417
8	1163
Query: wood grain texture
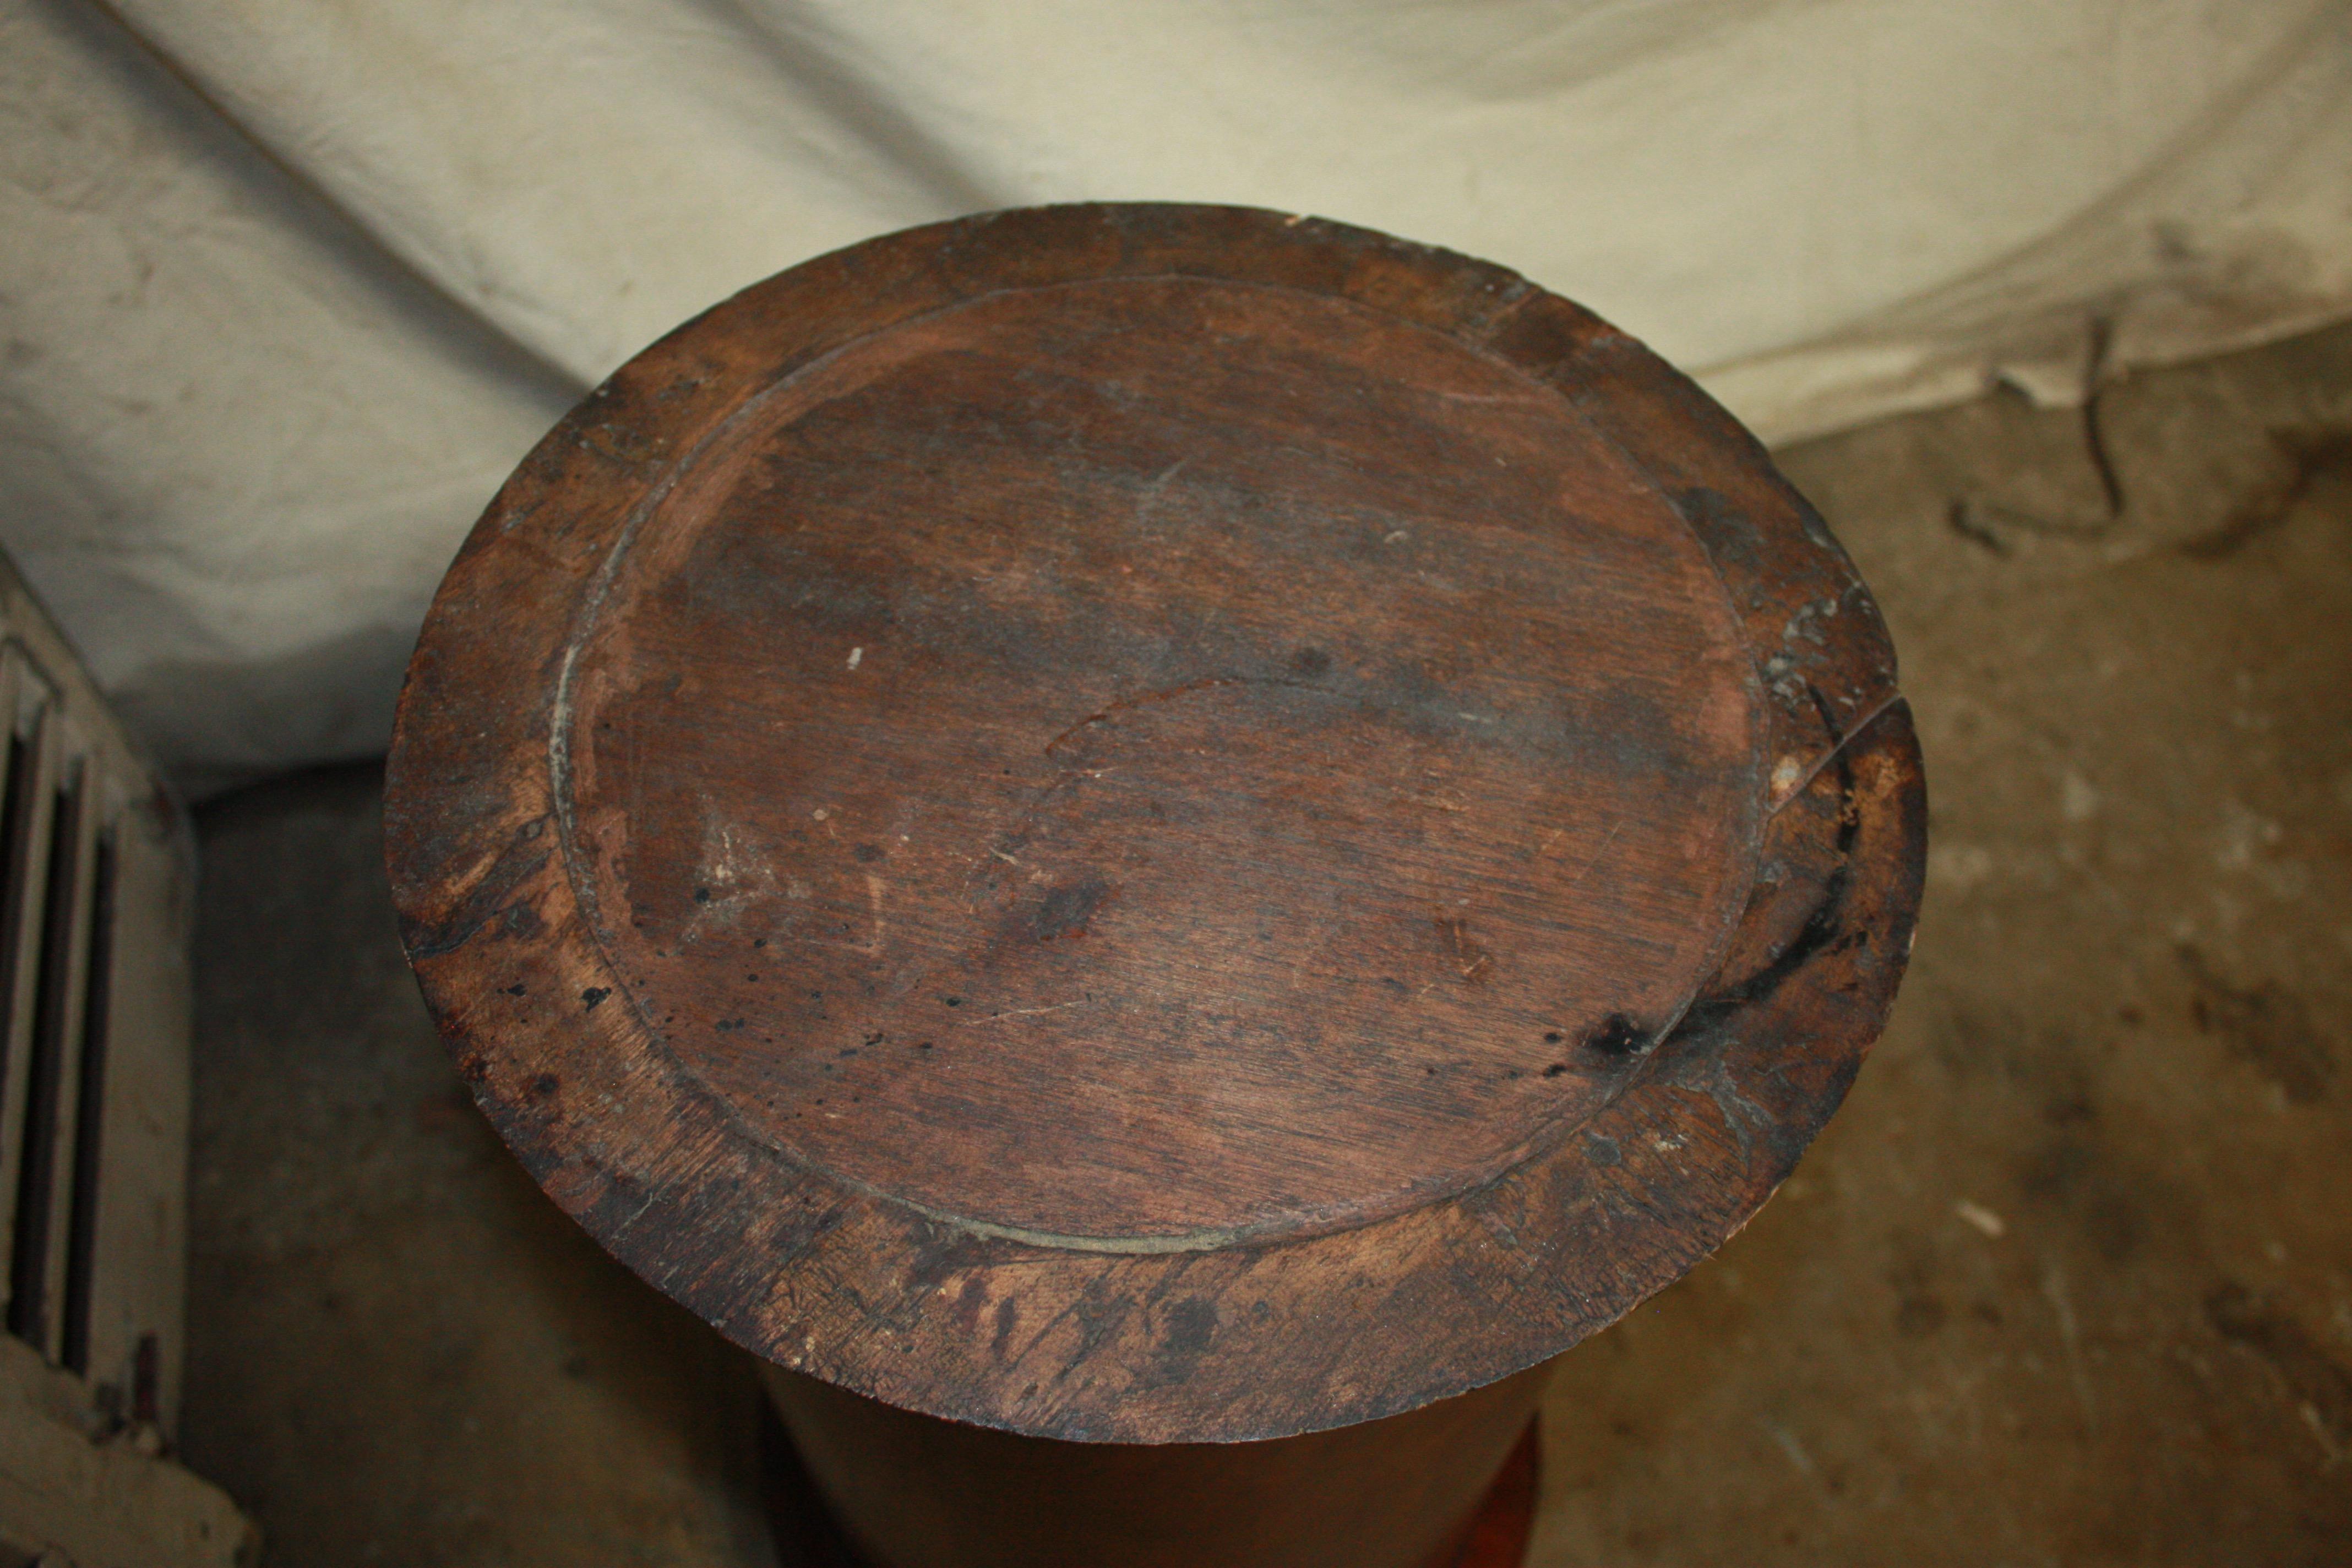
1154	824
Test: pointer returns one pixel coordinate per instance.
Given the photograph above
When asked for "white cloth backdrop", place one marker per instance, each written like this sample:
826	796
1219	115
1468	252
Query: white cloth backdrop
289	286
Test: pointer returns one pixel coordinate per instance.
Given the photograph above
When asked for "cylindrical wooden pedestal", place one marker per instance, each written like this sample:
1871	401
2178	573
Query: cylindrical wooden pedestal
1158	847
913	1491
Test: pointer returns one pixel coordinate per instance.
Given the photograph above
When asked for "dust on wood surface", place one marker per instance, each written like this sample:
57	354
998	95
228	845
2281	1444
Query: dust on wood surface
1087	820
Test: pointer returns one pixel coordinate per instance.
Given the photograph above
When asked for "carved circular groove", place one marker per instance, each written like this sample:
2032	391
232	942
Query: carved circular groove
1154	762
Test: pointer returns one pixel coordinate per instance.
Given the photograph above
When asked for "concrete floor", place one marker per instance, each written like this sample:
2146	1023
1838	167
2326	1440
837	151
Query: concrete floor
2069	1280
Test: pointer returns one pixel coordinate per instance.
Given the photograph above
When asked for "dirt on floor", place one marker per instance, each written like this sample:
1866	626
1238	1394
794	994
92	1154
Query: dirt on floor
2068	1281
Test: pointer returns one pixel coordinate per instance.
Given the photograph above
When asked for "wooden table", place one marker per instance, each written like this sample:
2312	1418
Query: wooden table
1112	831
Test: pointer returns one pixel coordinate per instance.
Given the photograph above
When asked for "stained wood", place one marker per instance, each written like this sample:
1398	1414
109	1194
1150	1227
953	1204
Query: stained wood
911	1491
1154	824
1117	799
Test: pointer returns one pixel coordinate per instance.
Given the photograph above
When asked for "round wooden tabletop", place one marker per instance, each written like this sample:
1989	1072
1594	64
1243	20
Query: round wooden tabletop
1154	822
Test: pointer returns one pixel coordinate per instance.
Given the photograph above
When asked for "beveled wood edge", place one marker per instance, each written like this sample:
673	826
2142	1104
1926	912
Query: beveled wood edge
857	1289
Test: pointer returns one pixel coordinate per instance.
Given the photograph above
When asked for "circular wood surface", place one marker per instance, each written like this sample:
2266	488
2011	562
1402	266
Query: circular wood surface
1154	822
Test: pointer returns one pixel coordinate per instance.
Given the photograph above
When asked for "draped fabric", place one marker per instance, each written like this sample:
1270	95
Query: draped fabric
288	288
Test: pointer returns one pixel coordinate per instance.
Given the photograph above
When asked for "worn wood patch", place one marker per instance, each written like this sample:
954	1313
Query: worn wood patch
1154	822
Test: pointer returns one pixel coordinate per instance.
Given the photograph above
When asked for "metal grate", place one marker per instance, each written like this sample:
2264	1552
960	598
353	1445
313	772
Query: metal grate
90	1118
94	885
46	1074
97	896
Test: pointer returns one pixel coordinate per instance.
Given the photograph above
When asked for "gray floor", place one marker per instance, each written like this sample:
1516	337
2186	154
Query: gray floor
400	1352
2068	1281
